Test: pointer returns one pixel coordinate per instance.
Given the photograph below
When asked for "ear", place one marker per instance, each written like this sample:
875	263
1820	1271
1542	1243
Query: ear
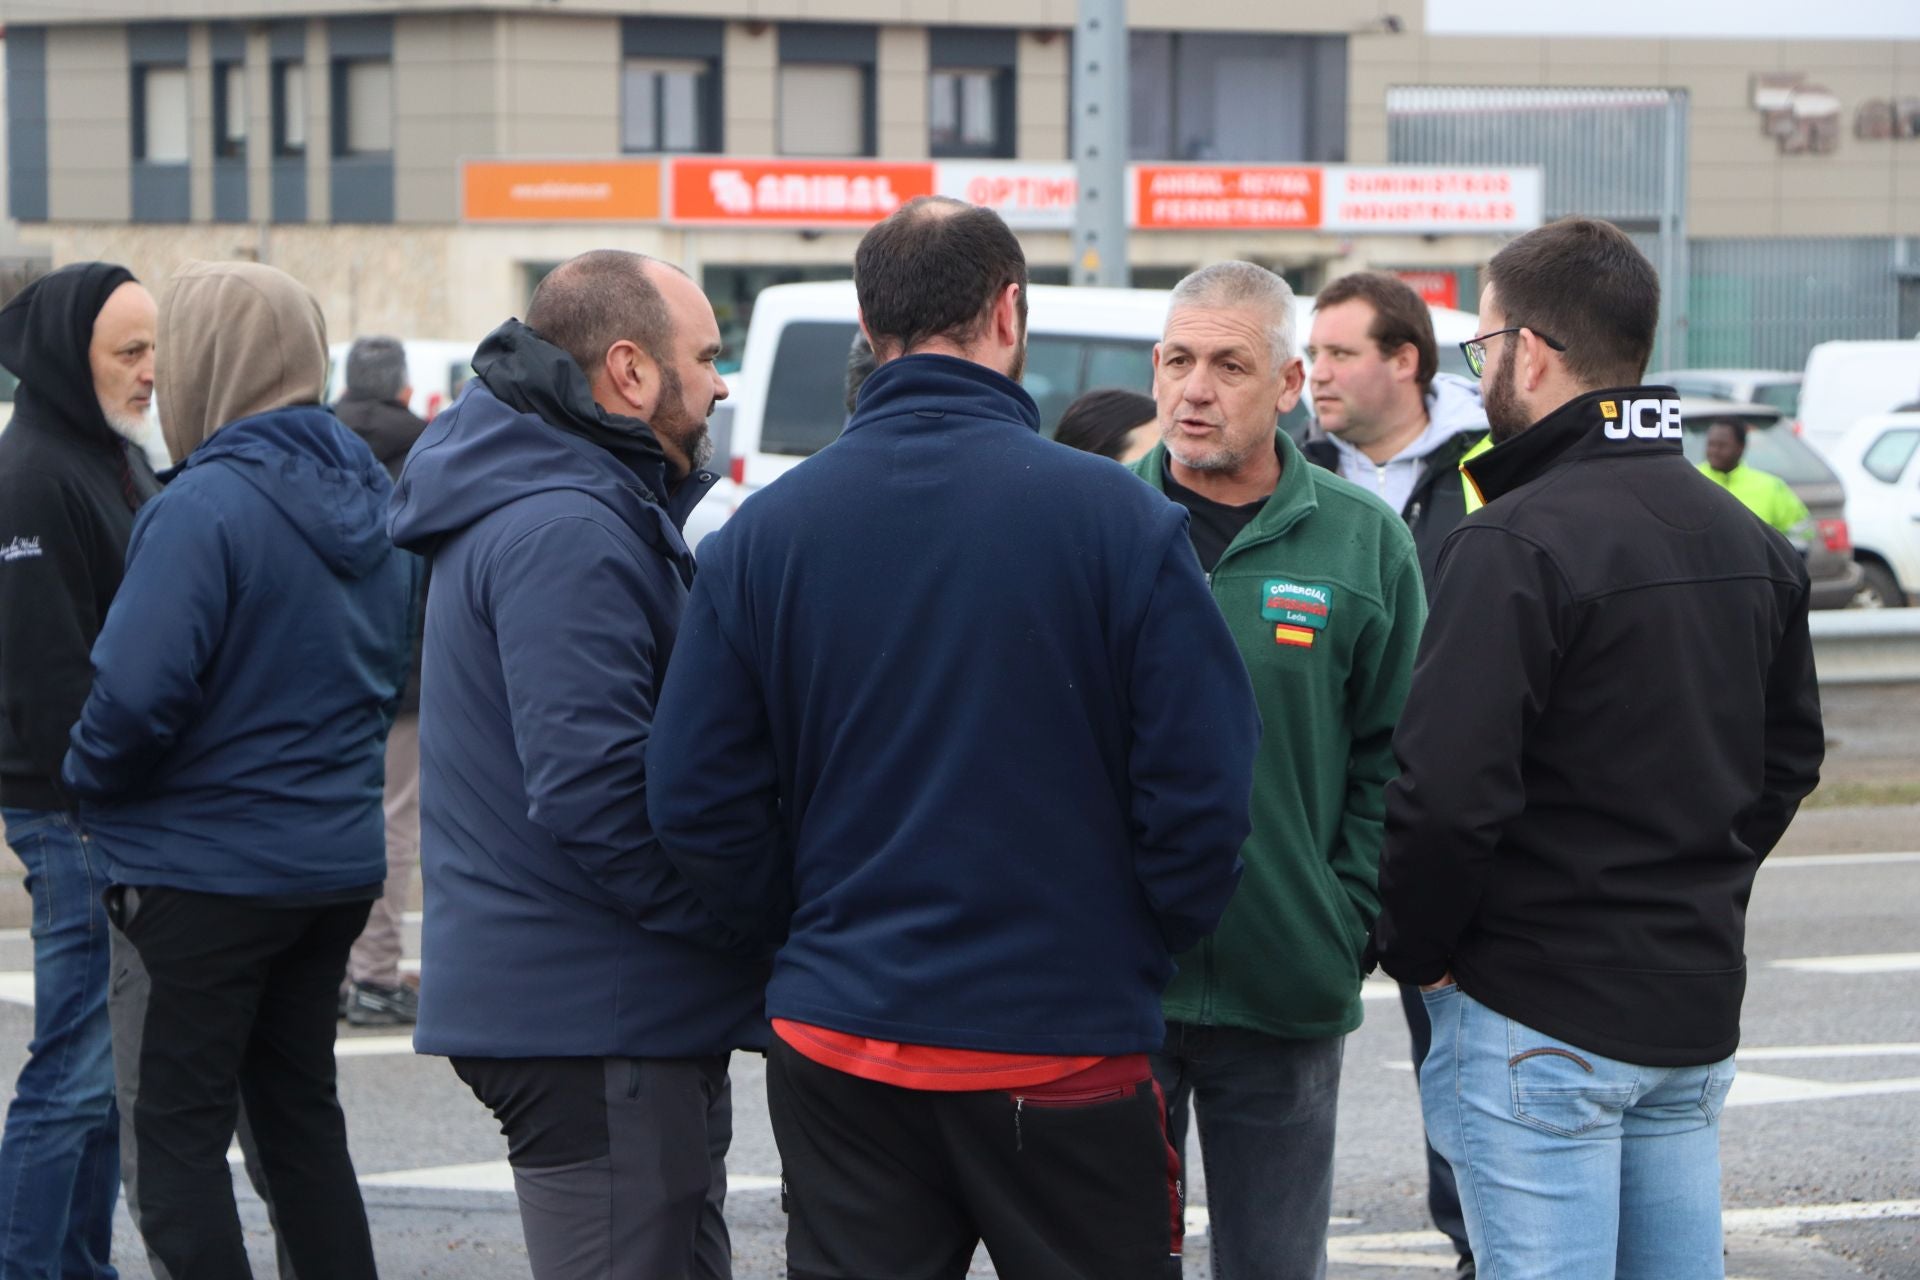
1535	360
1156	358
631	379
1006	317
405	394
1405	362
1292	379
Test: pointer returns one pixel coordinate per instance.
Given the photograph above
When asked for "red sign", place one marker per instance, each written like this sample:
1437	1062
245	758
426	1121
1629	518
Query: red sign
1213	198
1436	288
804	192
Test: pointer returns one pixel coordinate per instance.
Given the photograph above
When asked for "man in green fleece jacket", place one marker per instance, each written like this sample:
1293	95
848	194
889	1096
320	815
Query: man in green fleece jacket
1321	588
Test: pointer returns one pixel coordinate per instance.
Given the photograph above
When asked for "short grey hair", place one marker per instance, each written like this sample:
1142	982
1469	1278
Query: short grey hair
1242	284
376	368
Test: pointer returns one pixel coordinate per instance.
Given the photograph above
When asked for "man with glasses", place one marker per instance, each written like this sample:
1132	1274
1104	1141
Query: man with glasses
1612	721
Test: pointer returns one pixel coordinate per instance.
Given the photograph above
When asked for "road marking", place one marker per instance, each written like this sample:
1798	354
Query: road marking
17	988
1758	1088
1885	962
1374	989
372	1046
1792	1052
1839	860
497	1176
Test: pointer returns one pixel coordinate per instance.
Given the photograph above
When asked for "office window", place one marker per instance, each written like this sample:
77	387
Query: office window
823	109
662	105
289	108
363	107
229	109
969	113
160	134
1238	96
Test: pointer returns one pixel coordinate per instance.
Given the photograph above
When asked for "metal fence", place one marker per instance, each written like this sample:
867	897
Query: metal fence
1764	303
1619	154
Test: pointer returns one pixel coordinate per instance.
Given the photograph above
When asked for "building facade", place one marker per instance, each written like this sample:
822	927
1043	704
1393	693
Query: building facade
419	164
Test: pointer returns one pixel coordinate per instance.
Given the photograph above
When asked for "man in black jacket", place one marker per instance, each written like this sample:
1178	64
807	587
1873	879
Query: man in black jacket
1613	720
81	340
374	406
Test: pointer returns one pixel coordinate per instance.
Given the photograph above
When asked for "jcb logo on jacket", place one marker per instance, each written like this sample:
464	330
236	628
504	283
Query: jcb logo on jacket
1646	419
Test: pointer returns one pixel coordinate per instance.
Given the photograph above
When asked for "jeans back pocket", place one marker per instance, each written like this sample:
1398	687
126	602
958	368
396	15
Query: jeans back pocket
1565	1090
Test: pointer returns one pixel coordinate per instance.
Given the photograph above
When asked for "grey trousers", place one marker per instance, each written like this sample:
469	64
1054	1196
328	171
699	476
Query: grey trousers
375	957
619	1163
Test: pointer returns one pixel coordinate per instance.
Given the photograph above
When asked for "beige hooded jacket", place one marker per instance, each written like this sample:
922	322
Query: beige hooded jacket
235	339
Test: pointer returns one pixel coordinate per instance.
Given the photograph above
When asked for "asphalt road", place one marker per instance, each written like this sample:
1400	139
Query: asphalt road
1821	1145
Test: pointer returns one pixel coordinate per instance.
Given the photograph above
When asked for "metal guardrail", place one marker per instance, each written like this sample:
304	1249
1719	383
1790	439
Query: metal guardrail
1866	646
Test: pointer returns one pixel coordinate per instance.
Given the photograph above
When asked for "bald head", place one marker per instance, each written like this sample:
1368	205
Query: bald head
588	303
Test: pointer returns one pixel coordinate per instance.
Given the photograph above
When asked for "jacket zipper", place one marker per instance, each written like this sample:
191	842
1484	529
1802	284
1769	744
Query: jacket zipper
1057	1101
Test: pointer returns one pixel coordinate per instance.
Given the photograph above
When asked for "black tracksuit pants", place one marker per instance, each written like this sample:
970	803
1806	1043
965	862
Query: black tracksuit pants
216	1003
885	1183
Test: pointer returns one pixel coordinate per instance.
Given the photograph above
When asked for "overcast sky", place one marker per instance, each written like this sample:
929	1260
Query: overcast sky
1718	19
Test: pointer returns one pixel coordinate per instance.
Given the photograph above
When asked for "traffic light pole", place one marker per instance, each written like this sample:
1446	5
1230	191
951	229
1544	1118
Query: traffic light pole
1100	143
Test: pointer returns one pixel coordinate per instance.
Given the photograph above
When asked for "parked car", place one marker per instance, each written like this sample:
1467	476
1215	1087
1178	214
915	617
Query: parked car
1879	462
1773	447
1779	388
788	401
437	370
1848	381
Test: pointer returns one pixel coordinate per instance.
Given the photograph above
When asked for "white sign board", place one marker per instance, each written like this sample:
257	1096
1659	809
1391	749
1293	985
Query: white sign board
1031	197
1421	200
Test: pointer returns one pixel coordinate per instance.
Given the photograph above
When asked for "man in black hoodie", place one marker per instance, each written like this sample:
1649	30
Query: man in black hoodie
1613	720
81	341
374	406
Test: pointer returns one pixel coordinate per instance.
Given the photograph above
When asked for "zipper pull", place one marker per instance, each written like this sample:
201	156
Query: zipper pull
1019	1140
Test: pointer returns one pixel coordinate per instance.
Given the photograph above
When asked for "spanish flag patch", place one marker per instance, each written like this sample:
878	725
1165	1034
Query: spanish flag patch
1299	636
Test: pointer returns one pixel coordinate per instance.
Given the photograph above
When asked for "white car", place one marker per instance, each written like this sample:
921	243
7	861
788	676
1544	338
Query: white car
1879	463
789	399
1847	381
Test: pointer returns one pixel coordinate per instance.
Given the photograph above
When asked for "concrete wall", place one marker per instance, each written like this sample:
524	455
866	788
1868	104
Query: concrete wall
901	93
89	140
1042	96
446	108
559	85
1739	182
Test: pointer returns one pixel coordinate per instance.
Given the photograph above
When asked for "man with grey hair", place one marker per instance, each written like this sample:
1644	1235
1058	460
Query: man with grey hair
374	406
1320	587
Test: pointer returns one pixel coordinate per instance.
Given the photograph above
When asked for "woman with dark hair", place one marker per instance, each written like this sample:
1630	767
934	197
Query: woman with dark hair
1121	425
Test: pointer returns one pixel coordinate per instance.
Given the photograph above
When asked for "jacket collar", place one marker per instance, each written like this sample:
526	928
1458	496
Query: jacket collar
1296	497
1616	422
936	385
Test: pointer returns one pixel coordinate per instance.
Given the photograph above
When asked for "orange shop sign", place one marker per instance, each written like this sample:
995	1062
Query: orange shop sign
1436	288
796	192
561	191
1219	198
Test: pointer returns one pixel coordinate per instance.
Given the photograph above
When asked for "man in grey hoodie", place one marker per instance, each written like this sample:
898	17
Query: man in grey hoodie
1394	426
1400	430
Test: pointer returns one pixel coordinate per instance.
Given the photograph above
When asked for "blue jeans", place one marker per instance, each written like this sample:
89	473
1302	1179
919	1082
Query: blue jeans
60	1152
1571	1165
1266	1108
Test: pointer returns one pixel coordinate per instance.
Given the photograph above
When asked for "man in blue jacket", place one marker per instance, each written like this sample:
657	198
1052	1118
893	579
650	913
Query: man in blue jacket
579	990
954	713
230	759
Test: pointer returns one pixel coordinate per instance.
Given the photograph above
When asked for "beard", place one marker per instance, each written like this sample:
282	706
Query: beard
125	423
1506	415
1222	457
673	424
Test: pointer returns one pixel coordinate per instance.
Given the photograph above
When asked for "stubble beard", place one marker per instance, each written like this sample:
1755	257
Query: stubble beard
1507	417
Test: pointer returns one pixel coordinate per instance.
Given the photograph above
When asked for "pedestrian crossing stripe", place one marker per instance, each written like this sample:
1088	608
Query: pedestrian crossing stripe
1299	637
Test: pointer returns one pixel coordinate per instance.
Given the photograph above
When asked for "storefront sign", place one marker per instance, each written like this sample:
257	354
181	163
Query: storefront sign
1031	197
561	191
1436	288
1416	200
1216	198
709	189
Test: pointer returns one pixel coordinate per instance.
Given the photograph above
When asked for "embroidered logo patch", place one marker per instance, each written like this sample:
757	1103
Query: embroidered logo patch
1298	610
21	549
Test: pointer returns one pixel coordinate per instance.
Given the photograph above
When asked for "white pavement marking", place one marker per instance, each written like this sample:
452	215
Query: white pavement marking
1838	860
1794	1052
17	988
1757	1088
497	1176
1374	989
1885	962
372	1046
1794	1216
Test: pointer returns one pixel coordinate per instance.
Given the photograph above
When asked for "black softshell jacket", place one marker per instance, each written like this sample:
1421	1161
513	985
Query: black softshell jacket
1613	719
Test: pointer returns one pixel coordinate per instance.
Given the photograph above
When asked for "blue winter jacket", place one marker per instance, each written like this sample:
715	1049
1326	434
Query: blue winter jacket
954	709
554	926
235	737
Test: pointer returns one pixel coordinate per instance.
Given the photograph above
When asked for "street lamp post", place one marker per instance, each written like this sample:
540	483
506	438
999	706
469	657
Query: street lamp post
1100	142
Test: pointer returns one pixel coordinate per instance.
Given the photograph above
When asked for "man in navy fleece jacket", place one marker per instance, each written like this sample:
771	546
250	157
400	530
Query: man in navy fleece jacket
953	711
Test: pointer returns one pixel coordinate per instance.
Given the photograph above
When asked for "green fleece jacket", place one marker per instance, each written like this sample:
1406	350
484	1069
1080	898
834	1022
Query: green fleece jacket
1322	593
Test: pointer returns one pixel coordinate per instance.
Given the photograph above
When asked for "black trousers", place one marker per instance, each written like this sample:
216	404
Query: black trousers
884	1183
620	1164
1443	1196
217	1003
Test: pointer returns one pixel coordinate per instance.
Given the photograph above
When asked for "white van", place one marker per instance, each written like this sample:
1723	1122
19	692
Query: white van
1848	381
789	400
436	370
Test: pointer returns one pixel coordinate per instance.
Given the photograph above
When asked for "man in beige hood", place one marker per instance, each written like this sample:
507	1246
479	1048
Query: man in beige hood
229	760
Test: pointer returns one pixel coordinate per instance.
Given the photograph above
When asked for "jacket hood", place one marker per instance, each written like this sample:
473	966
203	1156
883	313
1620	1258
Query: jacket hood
321	476
236	339
531	426
1454	409
1608	423
45	333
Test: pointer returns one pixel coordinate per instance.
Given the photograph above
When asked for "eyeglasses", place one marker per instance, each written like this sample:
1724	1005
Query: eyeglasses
1475	349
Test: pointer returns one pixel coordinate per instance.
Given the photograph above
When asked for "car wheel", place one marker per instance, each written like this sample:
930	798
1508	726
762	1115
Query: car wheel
1878	589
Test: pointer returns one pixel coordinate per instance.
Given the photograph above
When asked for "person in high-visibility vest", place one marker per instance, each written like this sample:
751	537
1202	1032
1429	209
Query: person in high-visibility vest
1765	494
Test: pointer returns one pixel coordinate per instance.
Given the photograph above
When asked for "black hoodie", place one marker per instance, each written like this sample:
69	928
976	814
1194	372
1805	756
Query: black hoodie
69	485
1612	721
